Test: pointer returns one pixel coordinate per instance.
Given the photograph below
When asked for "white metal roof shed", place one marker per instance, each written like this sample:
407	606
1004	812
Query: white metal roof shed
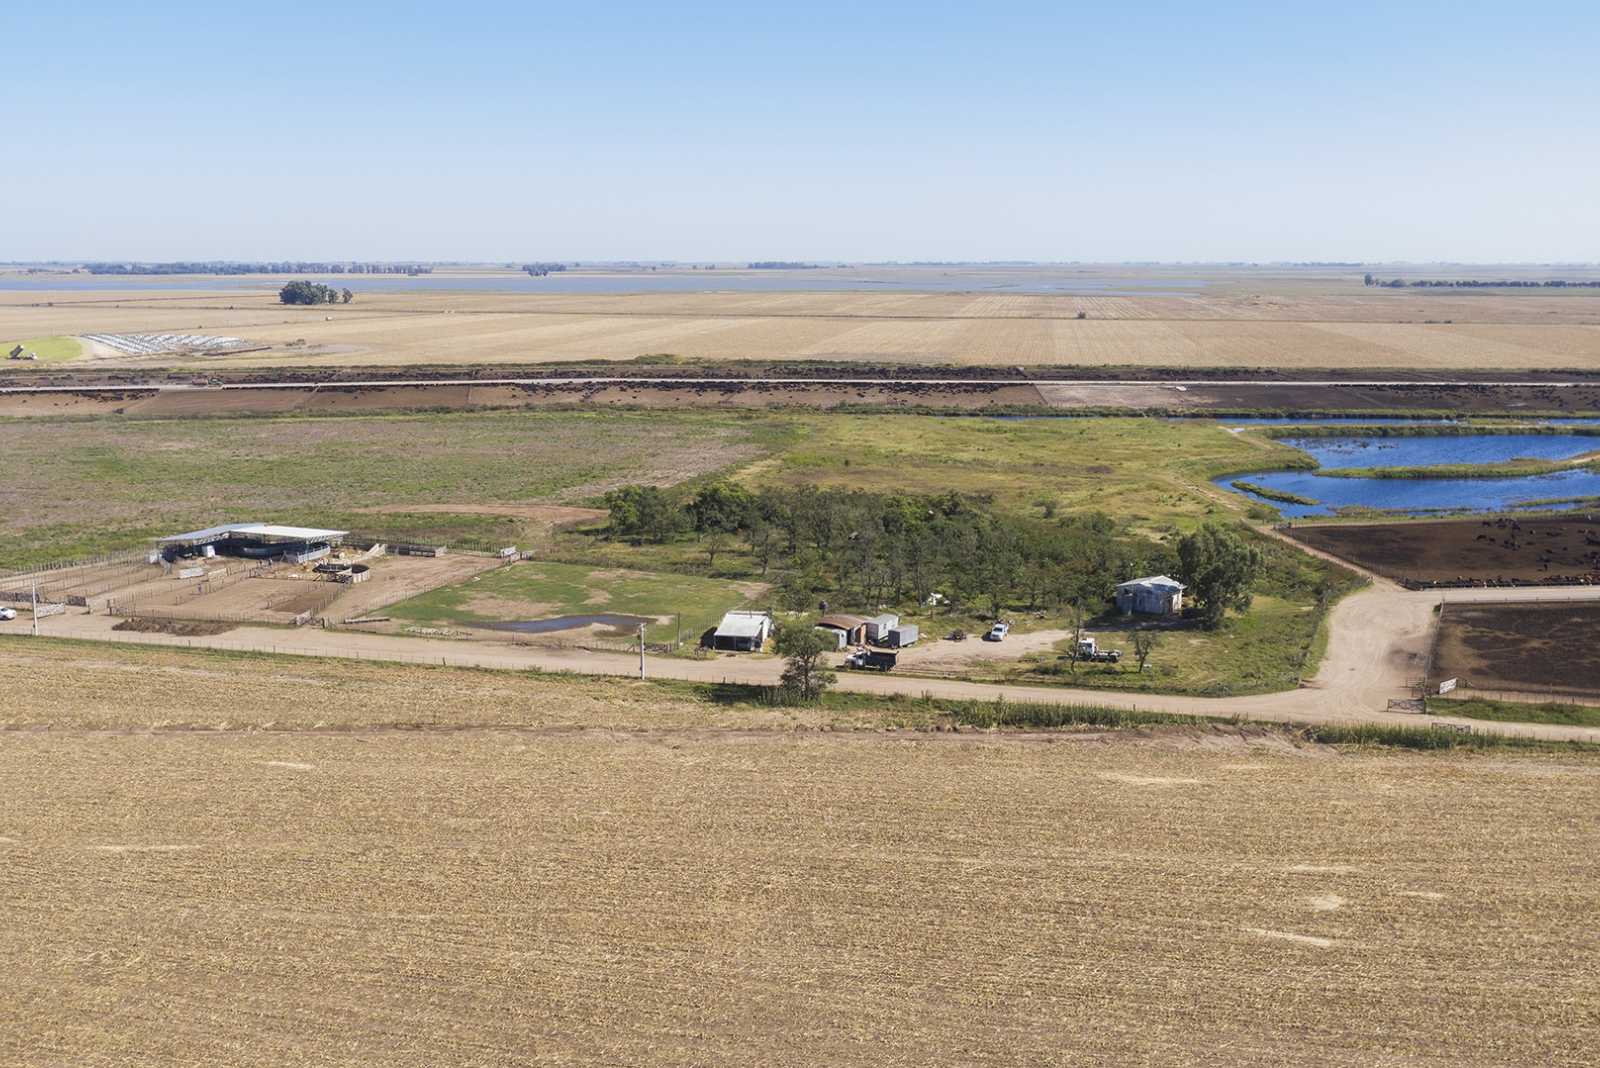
739	624
1156	582
265	531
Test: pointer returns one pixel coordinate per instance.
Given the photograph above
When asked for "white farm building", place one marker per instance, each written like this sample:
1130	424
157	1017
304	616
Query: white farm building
1155	595
741	631
261	540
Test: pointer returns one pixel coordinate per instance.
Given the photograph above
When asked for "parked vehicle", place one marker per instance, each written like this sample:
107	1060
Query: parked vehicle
8	614
871	660
901	636
1089	649
998	632
956	636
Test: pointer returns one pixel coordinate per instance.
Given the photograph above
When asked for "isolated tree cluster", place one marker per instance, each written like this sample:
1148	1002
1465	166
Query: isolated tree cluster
870	548
1219	568
304	292
805	673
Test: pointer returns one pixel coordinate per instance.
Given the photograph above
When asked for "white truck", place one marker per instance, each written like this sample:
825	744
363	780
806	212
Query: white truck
1089	649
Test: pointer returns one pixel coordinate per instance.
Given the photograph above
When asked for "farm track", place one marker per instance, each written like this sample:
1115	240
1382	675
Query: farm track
1376	652
791	380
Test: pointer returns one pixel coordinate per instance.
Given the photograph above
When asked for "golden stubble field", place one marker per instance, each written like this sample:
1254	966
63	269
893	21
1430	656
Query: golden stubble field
673	886
1297	326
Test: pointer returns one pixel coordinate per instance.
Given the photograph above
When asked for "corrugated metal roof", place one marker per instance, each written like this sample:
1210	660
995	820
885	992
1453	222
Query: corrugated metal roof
840	621
256	530
1154	581
208	534
742	625
267	530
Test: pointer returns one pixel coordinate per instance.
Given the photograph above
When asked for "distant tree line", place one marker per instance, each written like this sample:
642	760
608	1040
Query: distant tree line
539	270
287	267
1473	283
304	292
780	265
869	549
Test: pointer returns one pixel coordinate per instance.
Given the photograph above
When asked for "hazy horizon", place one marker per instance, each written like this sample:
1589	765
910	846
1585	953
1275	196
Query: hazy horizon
741	263
1238	133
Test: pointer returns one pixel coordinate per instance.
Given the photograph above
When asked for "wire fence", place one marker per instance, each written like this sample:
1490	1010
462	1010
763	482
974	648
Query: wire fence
312	597
1536	595
47	572
343	652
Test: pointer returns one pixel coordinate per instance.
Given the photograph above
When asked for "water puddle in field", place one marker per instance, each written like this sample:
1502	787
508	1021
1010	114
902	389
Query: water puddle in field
555	623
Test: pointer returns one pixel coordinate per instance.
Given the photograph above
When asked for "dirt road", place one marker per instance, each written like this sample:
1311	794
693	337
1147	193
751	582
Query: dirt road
1378	639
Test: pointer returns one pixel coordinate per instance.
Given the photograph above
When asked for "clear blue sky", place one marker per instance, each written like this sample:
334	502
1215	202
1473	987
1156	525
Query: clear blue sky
1196	131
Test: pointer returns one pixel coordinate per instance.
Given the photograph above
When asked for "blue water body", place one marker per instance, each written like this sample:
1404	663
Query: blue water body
1429	451
1330	420
1420	495
1382	420
907	280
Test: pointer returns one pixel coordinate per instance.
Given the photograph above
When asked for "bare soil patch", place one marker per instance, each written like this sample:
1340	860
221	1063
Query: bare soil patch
494	606
192	628
395	579
1468	552
1240	318
1524	647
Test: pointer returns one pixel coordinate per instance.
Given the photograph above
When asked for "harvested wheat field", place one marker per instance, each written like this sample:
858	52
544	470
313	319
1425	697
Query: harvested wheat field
1245	322
690	882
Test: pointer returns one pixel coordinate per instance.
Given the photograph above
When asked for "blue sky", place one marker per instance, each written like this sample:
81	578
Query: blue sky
1217	131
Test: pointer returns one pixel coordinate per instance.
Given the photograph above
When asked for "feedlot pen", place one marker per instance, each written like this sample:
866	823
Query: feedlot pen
234	590
1549	648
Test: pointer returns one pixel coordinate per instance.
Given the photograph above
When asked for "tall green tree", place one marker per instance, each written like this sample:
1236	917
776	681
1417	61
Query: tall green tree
643	513
722	506
1219	567
805	673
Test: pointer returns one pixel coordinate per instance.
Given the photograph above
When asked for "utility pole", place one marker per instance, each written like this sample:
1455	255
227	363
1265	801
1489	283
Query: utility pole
35	598
641	650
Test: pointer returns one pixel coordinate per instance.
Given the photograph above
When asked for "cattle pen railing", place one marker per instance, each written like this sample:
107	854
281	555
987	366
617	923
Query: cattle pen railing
167	605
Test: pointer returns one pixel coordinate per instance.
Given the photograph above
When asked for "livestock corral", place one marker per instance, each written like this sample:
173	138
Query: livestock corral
1535	648
346	582
1500	550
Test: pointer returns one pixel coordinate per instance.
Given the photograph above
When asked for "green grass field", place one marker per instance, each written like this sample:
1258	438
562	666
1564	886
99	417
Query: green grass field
543	590
1152	471
1557	712
58	349
1258	652
150	477
71	488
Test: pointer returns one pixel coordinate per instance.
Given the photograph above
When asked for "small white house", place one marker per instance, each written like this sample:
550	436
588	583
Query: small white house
1155	595
742	631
